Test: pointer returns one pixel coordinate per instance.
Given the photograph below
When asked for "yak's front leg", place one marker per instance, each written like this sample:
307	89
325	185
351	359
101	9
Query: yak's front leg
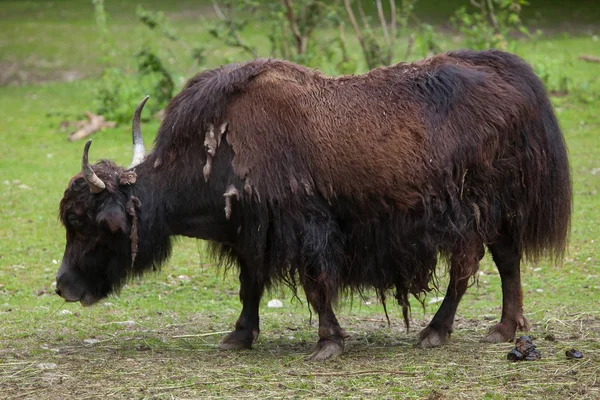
331	335
247	326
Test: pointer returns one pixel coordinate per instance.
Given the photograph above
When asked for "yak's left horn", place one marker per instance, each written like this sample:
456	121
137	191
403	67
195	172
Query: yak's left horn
138	142
95	183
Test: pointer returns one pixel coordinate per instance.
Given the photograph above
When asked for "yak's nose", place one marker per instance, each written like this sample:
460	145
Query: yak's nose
59	275
67	287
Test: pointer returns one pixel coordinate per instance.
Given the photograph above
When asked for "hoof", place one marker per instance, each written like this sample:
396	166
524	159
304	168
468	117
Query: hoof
505	331
238	340
326	350
430	337
496	336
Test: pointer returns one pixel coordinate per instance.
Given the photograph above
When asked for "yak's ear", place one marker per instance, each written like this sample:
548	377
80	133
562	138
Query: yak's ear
114	218
127	178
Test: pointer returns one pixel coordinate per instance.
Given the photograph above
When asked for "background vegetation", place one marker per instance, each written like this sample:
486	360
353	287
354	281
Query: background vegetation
158	339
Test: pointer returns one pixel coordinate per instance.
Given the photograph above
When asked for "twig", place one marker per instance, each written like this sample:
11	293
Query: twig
236	35
386	36
312	10
61	305
411	43
292	21
343	43
199	335
360	37
393	21
349	373
363	16
284	42
26	394
587	58
491	12
186	385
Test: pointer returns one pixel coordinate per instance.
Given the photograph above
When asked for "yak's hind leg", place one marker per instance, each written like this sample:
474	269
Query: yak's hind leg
247	326
464	263
507	256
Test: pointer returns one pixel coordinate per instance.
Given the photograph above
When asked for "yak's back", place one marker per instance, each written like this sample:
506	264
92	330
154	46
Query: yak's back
385	135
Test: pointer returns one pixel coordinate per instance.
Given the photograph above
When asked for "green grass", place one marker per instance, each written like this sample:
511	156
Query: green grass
158	339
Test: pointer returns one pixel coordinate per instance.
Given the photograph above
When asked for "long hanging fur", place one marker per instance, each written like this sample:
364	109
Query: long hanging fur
360	181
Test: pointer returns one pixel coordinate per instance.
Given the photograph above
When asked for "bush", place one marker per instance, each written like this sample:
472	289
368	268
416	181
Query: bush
494	25
119	93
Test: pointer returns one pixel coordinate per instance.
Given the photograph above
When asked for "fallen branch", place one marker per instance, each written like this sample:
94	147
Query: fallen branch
92	124
593	59
199	335
348	373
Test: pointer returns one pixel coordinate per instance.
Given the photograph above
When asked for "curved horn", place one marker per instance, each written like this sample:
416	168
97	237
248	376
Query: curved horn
95	183
138	142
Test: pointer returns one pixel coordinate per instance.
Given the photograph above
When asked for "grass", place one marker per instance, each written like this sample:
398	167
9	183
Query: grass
158	339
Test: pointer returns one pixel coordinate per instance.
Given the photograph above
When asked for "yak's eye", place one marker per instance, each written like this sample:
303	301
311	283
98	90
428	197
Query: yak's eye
75	221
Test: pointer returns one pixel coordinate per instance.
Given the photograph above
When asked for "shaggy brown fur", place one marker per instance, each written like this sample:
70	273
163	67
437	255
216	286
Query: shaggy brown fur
359	181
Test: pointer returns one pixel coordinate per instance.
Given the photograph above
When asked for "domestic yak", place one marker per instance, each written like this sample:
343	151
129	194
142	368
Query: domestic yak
335	184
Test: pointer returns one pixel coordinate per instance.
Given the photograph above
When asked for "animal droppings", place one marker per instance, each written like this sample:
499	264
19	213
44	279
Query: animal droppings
572	353
524	350
550	337
515	355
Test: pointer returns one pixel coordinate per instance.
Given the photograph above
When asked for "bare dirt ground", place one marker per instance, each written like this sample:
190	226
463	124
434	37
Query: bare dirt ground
168	363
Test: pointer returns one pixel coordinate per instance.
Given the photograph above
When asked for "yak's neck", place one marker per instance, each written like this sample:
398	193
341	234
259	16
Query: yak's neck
176	206
151	233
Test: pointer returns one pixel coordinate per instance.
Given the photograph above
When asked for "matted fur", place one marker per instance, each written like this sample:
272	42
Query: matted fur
381	172
358	181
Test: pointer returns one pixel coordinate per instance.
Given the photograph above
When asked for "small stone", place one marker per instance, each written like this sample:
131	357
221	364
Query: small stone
274	303
572	353
435	300
65	312
46	365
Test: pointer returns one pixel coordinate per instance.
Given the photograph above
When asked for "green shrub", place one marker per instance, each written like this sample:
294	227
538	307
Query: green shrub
494	24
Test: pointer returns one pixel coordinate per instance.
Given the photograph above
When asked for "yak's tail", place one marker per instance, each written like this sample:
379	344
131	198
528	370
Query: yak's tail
541	211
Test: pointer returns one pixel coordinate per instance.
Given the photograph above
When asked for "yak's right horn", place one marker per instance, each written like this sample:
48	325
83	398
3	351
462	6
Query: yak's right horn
95	183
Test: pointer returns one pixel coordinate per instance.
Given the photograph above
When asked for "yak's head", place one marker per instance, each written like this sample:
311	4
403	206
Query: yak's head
99	215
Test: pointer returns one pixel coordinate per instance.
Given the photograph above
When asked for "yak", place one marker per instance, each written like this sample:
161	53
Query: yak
335	184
